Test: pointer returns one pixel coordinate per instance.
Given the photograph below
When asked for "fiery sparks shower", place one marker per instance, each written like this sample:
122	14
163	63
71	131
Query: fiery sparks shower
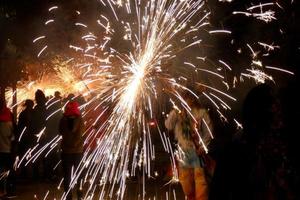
131	84
126	145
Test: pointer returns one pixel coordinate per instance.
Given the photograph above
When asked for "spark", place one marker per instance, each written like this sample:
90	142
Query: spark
49	21
280	69
46	195
258	75
81	24
23	131
43	49
260	6
266	16
204	70
39	38
268	47
201	84
52	8
128	85
220	31
225	64
227	106
239	125
254	54
214	103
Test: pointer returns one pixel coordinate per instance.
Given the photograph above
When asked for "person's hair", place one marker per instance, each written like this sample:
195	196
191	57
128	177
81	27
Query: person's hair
40	97
71	97
28	103
56	94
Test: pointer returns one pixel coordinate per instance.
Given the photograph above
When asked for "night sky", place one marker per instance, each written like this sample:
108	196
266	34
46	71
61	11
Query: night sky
23	20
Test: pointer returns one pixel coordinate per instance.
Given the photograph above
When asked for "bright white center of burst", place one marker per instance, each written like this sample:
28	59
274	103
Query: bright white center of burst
135	84
129	97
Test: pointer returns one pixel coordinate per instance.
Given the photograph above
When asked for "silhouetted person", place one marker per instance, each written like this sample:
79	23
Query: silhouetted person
251	168
6	151
38	126
23	128
54	110
71	128
290	109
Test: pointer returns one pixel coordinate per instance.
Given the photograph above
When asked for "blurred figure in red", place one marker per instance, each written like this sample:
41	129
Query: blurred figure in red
71	128
6	151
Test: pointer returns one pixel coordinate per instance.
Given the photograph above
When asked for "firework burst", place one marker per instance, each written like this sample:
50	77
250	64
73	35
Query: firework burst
130	85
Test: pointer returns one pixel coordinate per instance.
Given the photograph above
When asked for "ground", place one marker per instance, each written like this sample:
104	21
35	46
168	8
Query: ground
37	190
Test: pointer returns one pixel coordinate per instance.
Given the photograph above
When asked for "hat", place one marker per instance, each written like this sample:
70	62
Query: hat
72	109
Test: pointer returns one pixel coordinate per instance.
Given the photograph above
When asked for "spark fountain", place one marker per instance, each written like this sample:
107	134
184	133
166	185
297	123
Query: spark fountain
130	85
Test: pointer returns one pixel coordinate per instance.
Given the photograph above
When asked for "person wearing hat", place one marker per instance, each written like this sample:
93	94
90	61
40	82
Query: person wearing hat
71	128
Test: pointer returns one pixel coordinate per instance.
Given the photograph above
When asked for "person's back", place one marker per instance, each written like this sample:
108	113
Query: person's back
71	129
39	116
54	111
54	115
251	166
25	117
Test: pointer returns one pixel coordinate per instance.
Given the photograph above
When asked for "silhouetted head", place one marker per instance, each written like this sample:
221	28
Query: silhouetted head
40	97
57	94
29	103
71	97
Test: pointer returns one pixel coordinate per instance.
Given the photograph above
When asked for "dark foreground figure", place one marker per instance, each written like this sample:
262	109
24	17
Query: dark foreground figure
257	165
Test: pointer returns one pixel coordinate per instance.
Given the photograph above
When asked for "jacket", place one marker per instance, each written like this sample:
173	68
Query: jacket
175	122
72	128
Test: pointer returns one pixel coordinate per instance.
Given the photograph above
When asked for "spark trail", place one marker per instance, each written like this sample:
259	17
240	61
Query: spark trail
129	85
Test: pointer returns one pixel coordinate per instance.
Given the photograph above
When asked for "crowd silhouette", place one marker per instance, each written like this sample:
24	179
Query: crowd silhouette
258	162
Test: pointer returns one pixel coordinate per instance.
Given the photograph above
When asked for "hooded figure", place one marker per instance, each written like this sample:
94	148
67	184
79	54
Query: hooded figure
71	128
